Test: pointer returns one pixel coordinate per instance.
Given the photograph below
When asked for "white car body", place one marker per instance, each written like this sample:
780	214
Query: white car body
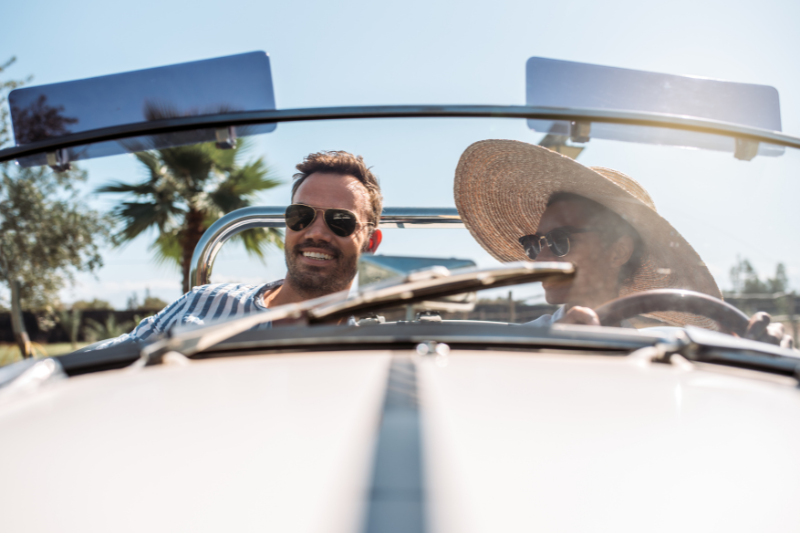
509	441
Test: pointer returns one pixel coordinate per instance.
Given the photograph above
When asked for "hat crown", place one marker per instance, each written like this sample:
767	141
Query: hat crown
628	184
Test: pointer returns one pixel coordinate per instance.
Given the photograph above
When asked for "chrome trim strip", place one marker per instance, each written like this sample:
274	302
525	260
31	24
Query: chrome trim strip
244	118
530	337
273	217
396	498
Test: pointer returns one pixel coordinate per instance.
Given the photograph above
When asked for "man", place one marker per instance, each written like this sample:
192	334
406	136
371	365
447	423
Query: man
525	202
334	217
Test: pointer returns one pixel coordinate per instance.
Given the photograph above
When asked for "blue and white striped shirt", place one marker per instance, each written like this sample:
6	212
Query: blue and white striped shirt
206	302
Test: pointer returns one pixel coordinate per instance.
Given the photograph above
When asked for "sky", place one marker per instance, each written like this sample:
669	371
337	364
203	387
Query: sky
360	53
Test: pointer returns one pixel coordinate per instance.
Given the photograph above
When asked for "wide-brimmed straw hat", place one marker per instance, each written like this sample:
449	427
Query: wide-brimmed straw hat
502	188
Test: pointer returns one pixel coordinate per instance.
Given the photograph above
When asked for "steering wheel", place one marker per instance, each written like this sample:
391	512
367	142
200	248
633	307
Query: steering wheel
727	316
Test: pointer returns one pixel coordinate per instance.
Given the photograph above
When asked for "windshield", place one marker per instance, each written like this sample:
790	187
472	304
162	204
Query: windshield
632	210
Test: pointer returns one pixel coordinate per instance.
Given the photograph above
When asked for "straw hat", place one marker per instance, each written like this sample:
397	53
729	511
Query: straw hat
501	191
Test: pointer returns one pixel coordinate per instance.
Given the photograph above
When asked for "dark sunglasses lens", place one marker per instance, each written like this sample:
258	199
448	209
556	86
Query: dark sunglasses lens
530	243
559	242
342	223
299	217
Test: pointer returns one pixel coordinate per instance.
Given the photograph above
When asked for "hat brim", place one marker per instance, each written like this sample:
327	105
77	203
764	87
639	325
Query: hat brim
502	188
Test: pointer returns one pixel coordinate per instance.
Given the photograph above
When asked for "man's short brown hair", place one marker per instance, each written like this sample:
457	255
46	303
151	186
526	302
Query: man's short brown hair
343	163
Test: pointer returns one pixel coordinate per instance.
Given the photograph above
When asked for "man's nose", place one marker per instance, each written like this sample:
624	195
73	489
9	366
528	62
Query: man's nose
318	230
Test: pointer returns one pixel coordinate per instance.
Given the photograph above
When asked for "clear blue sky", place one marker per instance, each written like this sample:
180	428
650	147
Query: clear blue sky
356	53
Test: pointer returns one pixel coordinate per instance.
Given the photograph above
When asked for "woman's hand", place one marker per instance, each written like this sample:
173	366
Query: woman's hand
580	315
761	329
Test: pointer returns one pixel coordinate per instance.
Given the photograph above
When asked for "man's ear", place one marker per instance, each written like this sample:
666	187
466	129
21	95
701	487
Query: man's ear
621	251
374	241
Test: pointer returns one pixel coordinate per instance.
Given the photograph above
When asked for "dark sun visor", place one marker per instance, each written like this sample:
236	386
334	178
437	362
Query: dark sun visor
567	84
240	82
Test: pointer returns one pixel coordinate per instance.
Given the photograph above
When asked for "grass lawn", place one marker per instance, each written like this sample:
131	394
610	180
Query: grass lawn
9	353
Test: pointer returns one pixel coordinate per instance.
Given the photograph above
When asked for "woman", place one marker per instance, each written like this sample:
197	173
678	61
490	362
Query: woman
525	202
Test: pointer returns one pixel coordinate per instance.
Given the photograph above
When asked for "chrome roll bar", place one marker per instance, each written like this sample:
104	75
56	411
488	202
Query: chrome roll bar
240	220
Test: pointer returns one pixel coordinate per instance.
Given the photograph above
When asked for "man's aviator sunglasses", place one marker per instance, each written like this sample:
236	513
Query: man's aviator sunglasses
557	240
341	222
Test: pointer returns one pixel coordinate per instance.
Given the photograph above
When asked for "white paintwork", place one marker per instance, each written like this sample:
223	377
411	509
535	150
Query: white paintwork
512	442
526	442
269	443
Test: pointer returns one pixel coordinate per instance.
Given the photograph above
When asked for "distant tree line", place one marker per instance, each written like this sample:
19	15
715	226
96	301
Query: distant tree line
745	279
74	326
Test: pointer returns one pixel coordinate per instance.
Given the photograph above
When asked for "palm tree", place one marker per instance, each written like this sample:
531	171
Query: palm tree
99	331
187	189
71	321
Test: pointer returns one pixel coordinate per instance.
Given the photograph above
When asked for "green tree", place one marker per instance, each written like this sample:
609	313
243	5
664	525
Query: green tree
186	190
745	279
149	303
46	232
780	283
91	304
153	303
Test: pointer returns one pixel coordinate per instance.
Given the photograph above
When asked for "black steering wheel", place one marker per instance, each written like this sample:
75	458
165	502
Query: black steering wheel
727	316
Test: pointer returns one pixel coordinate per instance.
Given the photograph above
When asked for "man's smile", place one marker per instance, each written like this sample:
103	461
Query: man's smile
318	255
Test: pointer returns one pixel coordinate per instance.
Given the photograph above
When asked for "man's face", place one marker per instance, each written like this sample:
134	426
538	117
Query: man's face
319	262
596	281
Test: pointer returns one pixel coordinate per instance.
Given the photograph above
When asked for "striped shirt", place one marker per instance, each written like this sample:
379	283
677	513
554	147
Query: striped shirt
206	302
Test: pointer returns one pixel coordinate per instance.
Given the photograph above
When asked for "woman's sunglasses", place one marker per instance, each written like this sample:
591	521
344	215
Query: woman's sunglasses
341	222
557	240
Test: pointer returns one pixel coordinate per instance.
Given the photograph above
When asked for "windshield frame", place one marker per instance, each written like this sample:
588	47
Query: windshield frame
244	118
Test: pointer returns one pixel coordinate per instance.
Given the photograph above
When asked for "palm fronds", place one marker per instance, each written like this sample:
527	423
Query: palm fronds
191	183
99	331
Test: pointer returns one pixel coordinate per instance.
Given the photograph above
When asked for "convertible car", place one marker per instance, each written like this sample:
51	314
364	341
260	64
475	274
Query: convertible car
357	418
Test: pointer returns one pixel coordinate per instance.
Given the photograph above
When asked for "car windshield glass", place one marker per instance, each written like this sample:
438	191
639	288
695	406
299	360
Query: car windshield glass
633	214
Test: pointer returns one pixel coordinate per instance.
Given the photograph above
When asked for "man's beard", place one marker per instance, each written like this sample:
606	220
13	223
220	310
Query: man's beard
312	281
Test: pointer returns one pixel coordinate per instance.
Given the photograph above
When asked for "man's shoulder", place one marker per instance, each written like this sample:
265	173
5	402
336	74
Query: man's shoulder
203	302
218	300
204	296
228	288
